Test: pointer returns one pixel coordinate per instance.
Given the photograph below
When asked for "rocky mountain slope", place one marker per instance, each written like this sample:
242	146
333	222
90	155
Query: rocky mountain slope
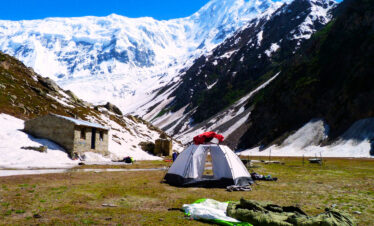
235	68
312	96
331	77
25	94
123	59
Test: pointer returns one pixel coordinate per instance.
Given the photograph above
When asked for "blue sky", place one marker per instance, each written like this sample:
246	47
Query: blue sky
38	9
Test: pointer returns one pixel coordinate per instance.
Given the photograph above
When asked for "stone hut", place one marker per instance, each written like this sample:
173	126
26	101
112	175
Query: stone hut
163	147
74	135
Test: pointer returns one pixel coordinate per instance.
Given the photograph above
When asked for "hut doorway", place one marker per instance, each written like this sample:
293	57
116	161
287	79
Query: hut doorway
93	139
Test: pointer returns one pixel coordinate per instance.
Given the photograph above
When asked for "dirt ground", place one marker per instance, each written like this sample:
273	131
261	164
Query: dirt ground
138	198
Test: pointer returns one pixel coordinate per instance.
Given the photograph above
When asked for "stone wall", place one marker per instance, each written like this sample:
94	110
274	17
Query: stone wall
53	128
67	135
84	145
163	147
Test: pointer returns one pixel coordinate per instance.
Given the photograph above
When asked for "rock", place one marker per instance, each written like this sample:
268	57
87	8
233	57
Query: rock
32	72
86	104
73	96
133	118
72	114
14	97
147	146
37	90
357	212
41	149
109	205
11	77
113	108
36	216
20	105
54	106
29	109
2	86
49	84
163	136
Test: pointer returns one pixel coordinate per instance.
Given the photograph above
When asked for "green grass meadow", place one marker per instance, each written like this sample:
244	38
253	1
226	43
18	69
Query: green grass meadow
138	198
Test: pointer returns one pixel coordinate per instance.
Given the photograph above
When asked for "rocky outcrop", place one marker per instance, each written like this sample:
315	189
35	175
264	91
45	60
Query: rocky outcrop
147	146
49	84
111	107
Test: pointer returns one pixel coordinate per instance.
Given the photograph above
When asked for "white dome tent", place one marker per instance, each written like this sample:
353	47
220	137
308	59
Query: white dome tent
188	169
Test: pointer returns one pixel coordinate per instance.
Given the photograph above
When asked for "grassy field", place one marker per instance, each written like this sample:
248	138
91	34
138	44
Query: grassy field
140	199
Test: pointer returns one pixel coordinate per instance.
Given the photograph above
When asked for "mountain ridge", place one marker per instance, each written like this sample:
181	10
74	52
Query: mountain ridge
239	65
126	54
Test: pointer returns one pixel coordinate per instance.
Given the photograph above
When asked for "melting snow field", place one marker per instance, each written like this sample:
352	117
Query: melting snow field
355	143
7	173
350	149
12	156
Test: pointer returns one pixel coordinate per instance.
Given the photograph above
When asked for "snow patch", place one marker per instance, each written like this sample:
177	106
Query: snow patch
234	111
12	156
273	48
357	142
259	37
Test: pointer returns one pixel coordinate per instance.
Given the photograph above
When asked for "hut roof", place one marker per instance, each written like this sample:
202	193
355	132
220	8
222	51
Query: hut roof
79	122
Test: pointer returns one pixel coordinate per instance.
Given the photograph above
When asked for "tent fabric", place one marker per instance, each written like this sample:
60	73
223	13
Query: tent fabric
188	168
206	137
210	210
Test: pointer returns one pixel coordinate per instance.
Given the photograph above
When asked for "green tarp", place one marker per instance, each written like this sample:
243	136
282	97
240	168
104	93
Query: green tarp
269	214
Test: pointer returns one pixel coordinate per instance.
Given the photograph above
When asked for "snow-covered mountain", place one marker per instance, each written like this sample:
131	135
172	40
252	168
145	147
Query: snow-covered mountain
123	59
210	93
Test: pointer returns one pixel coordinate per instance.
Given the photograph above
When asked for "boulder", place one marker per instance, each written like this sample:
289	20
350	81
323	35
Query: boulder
147	146
49	84
41	149
163	136
113	108
54	106
73	96
37	90
133	118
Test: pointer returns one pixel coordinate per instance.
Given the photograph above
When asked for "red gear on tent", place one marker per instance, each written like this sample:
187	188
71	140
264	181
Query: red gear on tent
206	137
